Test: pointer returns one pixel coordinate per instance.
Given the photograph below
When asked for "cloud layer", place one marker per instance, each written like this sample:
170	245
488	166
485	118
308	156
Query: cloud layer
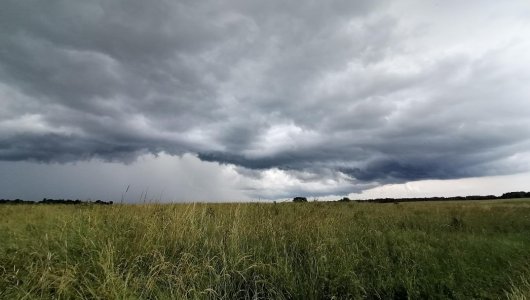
343	94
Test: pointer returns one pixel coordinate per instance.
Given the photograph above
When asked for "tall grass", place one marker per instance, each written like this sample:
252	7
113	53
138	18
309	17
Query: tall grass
455	250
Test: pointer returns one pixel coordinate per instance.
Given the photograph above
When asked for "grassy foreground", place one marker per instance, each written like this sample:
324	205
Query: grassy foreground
441	250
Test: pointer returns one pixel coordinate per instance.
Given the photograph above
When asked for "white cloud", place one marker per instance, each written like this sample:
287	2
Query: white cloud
494	185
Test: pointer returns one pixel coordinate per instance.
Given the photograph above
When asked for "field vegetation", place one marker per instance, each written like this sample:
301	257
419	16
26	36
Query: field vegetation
315	250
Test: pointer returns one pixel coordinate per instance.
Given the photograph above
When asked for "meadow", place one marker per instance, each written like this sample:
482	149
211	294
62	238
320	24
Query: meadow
316	250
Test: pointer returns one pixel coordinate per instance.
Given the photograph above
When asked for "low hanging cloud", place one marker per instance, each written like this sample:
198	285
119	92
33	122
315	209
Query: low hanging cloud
346	95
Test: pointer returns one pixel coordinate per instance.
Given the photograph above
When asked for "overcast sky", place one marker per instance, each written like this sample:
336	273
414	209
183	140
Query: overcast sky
239	100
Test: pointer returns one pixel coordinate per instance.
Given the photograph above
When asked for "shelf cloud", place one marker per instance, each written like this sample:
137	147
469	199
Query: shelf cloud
342	95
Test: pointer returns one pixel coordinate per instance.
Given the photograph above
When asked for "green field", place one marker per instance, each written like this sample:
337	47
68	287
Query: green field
437	250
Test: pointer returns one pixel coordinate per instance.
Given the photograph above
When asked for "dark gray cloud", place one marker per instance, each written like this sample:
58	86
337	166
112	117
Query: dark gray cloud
357	92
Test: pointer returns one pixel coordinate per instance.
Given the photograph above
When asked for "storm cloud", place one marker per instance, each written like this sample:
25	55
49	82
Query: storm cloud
344	95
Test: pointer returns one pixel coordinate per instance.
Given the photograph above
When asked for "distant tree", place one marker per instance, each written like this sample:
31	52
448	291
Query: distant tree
299	199
514	195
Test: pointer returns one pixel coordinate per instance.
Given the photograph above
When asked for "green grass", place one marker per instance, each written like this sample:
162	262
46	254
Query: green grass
438	250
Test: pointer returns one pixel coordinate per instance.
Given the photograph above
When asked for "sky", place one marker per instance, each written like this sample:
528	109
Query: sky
258	100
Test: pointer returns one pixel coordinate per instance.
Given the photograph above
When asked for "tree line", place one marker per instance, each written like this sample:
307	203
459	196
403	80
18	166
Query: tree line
510	195
54	201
